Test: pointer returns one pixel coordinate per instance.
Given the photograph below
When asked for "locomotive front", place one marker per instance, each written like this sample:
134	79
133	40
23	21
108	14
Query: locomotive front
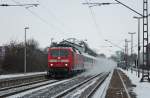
59	61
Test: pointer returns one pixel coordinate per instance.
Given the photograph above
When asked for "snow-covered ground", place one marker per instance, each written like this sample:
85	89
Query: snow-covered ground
142	89
20	75
37	89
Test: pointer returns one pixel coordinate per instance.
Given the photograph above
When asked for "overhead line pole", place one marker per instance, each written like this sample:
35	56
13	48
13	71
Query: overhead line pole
145	43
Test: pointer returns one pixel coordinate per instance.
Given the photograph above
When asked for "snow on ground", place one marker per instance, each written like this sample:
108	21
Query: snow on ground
37	89
142	89
20	75
77	93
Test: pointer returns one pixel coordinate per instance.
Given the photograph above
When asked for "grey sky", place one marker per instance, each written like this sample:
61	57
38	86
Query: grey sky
61	19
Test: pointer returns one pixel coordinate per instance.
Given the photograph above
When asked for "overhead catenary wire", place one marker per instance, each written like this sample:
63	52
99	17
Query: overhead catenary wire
120	42
44	21
49	11
40	18
93	18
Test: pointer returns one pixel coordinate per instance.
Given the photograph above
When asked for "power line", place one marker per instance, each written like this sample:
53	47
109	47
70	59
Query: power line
129	8
19	4
39	17
120	42
114	44
93	17
99	4
58	20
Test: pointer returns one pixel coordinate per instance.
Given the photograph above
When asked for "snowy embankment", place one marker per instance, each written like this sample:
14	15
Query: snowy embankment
142	89
20	75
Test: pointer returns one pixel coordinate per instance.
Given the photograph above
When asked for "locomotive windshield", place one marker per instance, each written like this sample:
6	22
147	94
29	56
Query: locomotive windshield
59	52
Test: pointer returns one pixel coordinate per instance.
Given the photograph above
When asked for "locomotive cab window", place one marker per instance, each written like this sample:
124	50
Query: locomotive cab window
59	52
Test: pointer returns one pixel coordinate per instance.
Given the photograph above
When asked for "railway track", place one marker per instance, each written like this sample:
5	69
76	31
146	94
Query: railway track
58	89
24	87
87	88
93	88
10	86
64	88
10	91
12	82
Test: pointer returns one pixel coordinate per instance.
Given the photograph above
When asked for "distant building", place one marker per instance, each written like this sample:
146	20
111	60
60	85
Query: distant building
2	52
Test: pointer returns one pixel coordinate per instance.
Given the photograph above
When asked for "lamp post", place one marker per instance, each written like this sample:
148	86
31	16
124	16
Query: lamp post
138	63
131	33
25	57
126	53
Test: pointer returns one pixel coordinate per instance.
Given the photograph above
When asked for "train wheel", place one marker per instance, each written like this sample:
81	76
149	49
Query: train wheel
48	75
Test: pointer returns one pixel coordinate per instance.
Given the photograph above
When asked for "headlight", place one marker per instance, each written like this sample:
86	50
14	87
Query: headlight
51	65
66	65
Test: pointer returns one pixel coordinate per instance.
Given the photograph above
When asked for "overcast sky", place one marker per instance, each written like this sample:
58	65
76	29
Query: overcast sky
61	19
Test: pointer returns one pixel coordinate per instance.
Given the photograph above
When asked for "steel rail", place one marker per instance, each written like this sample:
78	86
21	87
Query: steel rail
9	82
67	91
28	87
89	95
20	85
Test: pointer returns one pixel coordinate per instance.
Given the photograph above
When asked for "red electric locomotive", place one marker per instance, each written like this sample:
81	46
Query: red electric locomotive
66	61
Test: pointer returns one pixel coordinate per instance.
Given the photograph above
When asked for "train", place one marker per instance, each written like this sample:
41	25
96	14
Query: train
68	61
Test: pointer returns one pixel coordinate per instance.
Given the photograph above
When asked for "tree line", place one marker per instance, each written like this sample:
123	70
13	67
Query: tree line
13	61
120	56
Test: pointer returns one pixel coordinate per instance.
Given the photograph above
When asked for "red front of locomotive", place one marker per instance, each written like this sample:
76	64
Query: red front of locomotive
60	60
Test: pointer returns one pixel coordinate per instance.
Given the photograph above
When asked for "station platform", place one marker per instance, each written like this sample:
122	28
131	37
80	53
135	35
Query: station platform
120	86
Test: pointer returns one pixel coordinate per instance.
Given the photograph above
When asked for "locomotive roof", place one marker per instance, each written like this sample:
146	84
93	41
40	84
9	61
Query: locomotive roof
72	49
60	47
